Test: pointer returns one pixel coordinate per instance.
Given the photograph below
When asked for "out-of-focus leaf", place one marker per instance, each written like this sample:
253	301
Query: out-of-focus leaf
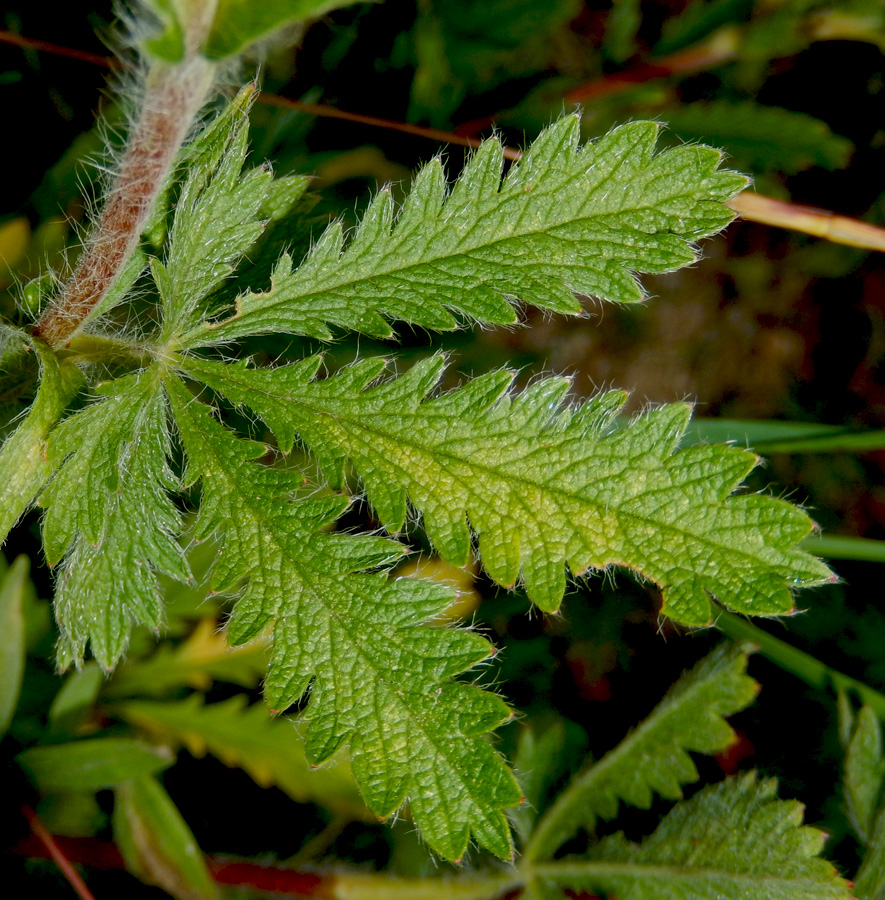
156	842
91	765
697	20
270	750
76	697
761	138
12	638
621	25
864	773
239	23
203	658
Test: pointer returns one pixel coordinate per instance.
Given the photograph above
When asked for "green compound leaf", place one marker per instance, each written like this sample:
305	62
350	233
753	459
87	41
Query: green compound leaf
379	676
654	758
567	218
216	218
732	841
107	508
542	484
270	750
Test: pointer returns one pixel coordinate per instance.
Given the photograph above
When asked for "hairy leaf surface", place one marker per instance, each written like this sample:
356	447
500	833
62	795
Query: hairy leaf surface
107	507
654	758
567	218
732	841
542	484
216	217
378	674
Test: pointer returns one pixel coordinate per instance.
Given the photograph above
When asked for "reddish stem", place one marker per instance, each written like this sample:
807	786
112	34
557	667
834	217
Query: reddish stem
53	851
105	855
173	97
18	40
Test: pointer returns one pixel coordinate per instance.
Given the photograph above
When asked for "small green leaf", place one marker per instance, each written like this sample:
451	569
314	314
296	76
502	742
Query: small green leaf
864	773
156	843
621	25
24	466
541	484
240	23
12	638
654	757
566	219
76	698
732	841
538	764
270	750
91	765
216	218
869	882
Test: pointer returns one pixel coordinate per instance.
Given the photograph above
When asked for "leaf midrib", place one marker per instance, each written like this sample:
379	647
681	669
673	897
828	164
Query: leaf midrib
191	338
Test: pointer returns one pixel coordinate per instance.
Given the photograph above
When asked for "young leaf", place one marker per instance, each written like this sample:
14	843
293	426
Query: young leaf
24	467
541	484
869	882
216	218
378	674
156	842
654	758
269	750
76	699
567	218
107	507
732	841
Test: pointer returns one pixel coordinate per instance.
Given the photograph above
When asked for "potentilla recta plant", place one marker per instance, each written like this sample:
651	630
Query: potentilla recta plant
125	437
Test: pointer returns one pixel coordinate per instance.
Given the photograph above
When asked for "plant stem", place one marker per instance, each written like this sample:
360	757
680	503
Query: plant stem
803	665
173	96
55	854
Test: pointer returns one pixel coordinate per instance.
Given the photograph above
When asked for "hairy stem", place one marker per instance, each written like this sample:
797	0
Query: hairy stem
173	96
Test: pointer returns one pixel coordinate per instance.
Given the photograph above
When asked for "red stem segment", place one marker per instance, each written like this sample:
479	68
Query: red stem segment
53	851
